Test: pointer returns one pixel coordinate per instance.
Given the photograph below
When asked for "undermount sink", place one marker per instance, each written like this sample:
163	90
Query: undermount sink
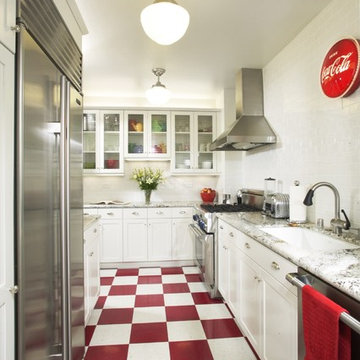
306	239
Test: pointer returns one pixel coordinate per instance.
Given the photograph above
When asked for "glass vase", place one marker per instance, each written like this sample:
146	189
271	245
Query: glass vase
147	196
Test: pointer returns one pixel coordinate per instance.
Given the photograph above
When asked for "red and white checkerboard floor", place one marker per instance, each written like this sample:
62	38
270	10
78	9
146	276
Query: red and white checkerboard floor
161	314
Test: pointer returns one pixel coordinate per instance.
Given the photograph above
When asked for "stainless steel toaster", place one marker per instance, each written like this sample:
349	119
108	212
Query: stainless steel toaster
278	206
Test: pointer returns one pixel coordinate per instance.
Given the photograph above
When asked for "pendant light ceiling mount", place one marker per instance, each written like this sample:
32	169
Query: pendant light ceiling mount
158	94
164	21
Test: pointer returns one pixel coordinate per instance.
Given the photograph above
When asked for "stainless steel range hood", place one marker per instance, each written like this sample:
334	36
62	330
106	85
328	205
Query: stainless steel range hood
251	128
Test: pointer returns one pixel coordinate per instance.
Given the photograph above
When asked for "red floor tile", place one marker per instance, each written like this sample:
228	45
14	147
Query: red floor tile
100	302
149	332
171	271
220	328
204	298
151	279
193	278
106	280
108	352
89	330
123	290
116	316
149	300
181	313
175	288
190	350
127	272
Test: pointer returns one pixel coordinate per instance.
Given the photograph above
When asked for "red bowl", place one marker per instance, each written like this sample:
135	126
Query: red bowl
208	197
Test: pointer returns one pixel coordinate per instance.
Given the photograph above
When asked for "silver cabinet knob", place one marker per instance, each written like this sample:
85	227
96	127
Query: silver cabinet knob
110	213
91	254
247	245
86	214
95	230
182	212
231	234
135	213
159	212
225	247
275	265
221	227
14	290
257	278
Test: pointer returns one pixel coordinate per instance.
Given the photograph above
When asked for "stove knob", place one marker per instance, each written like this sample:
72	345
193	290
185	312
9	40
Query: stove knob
196	217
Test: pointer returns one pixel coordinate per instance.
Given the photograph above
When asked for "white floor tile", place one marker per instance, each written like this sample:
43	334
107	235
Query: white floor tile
173	279
191	270
185	330
147	289
104	290
107	272
149	351
178	299
94	317
231	349
116	302
197	287
113	334
125	280
149	271
213	311
150	314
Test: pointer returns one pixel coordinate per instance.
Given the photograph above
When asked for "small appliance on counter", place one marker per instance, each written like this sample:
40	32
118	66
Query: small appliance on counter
277	206
270	188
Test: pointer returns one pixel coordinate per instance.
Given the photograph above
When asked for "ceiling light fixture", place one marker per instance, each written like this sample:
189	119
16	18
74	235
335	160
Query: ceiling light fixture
165	21
158	94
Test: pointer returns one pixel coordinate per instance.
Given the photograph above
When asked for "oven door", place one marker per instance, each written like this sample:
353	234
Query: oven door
199	244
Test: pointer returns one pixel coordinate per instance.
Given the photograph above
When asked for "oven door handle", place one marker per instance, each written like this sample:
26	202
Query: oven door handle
196	231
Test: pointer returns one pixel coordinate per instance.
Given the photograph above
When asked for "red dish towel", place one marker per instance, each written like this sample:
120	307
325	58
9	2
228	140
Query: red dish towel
326	338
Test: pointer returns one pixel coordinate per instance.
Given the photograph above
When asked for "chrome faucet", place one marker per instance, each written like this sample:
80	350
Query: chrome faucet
337	224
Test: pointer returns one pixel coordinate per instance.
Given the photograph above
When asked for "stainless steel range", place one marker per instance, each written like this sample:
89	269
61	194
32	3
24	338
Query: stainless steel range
204	230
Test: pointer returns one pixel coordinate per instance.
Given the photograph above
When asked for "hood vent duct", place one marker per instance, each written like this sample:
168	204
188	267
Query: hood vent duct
251	128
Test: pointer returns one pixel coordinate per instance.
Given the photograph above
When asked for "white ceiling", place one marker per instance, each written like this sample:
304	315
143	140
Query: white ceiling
223	36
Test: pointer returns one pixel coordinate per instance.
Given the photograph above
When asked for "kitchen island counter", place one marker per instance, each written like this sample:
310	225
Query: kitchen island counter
340	268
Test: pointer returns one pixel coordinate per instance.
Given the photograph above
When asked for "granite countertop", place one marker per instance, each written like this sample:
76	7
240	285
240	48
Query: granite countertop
89	220
340	268
128	204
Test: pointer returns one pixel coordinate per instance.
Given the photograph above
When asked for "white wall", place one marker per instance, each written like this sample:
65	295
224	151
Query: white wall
175	188
318	137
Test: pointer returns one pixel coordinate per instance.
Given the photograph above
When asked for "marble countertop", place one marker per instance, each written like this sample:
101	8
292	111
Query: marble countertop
340	268
124	204
89	220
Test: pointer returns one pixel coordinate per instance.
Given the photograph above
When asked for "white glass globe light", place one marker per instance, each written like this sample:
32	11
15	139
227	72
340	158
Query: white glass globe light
158	94
165	22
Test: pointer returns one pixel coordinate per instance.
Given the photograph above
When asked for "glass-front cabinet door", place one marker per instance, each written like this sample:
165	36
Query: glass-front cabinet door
90	143
192	136
103	142
147	134
111	141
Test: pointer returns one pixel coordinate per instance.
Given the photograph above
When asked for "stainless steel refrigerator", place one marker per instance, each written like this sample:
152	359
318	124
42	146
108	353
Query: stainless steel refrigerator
49	228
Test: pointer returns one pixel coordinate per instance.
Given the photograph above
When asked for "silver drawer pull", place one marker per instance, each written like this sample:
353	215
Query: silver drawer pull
221	227
182	212
135	213
110	213
257	278
225	247
86	214
231	234
275	265
159	212
95	230
247	245
91	254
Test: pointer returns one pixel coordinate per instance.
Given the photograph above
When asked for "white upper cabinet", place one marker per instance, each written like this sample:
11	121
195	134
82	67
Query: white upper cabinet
147	134
192	134
103	142
7	21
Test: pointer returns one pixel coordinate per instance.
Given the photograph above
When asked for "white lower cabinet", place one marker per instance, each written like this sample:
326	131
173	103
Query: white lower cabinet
182	244
135	240
91	269
159	239
111	243
252	281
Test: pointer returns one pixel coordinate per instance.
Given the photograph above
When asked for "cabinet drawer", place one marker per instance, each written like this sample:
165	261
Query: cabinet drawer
272	263
90	211
135	213
111	213
159	213
91	233
182	212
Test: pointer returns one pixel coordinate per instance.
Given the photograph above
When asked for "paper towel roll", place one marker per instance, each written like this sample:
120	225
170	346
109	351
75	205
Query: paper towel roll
297	208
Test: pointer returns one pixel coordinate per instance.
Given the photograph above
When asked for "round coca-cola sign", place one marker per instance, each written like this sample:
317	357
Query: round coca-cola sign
340	69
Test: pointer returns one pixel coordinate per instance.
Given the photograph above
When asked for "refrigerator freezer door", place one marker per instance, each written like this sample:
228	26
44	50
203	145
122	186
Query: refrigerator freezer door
75	201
